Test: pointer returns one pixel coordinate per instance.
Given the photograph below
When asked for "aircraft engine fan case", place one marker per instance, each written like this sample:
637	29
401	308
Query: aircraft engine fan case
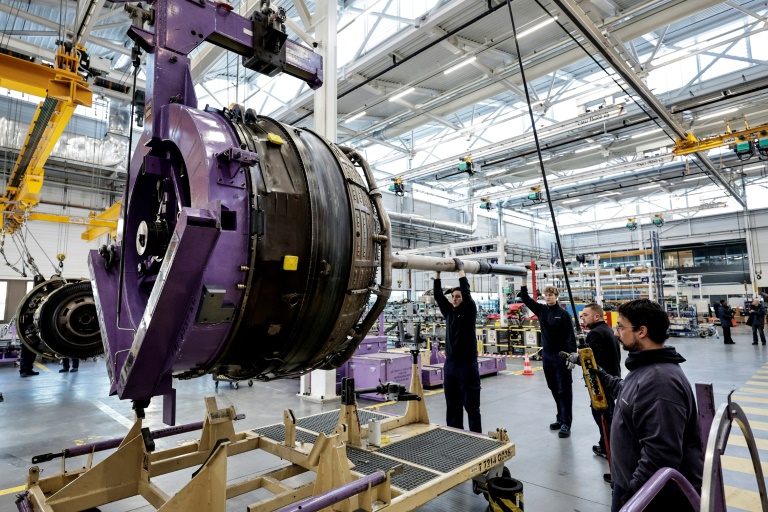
250	249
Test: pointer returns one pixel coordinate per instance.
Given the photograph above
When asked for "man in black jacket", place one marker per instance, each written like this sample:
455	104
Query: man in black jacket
655	423
461	377
725	313
757	320
556	336
605	347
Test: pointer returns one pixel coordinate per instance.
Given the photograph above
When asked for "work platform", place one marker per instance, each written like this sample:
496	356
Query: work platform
414	462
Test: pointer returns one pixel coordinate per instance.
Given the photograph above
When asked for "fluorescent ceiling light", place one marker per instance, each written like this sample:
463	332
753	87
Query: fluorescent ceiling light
695	178
356	116
460	65
606	194
718	114
657	130
536	27
594	146
571	201
537	207
401	94
753	167
655	185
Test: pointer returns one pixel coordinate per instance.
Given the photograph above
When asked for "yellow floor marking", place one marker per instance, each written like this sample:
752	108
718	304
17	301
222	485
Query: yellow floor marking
433	392
43	367
742	498
739	440
12	490
760	391
741	465
756	399
757	383
758	425
754	410
760	377
376	406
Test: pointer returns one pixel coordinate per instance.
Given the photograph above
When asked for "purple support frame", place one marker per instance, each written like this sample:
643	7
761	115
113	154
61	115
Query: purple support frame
158	334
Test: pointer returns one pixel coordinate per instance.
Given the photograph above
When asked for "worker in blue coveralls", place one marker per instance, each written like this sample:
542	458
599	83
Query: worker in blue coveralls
461	377
557	335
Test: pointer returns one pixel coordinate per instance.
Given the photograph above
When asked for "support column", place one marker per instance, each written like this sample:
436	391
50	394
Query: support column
501	280
320	385
750	254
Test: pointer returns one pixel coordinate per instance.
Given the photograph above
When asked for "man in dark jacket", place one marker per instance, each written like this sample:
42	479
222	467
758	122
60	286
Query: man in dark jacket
556	336
757	319
725	313
655	423
461	377
605	347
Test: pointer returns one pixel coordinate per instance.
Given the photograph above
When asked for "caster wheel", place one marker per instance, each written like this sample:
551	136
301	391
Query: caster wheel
237	385
216	384
250	383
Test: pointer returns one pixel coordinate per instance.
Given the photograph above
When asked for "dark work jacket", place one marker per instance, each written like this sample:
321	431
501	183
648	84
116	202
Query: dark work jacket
725	314
460	340
655	425
556	326
605	346
758	317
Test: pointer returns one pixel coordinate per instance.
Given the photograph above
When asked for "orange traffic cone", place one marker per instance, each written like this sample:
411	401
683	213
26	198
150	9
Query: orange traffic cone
527	370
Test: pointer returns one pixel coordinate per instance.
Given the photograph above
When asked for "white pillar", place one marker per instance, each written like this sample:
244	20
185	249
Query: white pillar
501	281
751	256
320	385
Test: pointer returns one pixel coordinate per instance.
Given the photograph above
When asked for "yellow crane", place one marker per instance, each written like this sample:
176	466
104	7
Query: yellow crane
744	141
63	89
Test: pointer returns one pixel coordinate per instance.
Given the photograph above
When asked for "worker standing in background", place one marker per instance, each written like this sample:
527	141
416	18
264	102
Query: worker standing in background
461	375
26	360
65	365
605	347
655	422
725	313
757	320
556	336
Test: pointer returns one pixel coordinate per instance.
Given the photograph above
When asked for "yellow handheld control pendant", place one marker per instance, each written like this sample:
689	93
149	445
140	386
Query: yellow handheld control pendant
595	387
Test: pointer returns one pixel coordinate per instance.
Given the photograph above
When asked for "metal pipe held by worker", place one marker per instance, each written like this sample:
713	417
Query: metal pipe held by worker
325	500
418	262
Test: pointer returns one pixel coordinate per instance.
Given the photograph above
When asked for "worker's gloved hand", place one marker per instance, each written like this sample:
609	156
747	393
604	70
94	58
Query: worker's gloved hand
459	264
574	358
598	371
570	365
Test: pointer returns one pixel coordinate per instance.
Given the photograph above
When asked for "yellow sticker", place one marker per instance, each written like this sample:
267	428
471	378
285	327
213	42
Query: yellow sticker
290	262
275	139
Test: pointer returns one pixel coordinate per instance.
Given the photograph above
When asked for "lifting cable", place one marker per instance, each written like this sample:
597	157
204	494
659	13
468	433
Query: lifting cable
541	166
8	263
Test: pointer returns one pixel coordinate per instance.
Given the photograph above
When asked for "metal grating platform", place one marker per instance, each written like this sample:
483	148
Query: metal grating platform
441	450
327	421
277	432
367	463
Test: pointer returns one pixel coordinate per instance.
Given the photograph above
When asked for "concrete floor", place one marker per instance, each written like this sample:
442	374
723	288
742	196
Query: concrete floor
52	411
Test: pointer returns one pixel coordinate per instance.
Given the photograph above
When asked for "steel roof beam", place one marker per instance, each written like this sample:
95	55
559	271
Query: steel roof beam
607	51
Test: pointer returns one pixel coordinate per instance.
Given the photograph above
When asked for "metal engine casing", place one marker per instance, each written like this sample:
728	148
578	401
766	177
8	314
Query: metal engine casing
243	197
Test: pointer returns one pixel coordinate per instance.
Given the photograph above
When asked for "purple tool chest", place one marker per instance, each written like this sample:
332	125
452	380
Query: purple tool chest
368	370
487	365
432	375
372	345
